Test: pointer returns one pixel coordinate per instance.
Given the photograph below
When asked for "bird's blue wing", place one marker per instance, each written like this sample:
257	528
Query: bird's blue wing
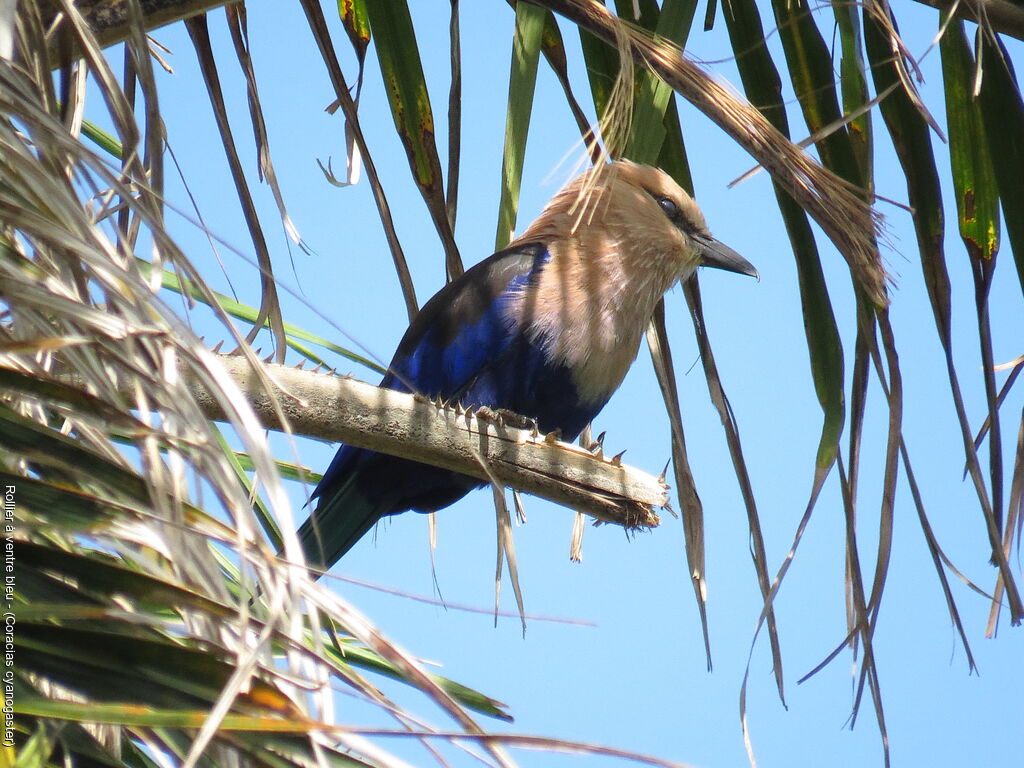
464	329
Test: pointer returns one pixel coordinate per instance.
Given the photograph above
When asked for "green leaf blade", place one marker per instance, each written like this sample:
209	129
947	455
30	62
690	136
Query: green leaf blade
974	183
526	44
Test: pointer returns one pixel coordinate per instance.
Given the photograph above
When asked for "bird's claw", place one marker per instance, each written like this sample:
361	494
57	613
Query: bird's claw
485	413
553	437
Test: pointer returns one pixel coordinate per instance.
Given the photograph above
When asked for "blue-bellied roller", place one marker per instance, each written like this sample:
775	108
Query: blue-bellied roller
546	328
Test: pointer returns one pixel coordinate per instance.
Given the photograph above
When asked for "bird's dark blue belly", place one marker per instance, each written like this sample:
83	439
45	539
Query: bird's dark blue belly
528	384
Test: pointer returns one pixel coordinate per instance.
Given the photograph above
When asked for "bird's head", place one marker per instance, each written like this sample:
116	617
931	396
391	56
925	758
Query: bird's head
659	214
641	212
616	239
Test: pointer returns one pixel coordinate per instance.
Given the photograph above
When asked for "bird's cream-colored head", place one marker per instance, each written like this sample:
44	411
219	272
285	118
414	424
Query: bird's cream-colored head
642	214
617	237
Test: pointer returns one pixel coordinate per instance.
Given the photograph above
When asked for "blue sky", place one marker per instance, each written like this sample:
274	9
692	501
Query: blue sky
634	677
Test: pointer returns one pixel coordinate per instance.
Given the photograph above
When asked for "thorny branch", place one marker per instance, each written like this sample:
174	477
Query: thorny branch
343	409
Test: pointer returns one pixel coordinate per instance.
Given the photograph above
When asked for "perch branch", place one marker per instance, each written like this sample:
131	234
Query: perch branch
344	409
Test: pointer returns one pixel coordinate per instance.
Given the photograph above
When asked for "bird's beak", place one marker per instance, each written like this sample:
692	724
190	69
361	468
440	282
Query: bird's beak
720	256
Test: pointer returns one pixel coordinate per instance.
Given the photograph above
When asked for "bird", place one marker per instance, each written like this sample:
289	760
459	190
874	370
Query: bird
546	328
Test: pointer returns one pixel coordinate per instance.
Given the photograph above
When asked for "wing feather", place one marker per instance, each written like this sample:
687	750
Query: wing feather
463	329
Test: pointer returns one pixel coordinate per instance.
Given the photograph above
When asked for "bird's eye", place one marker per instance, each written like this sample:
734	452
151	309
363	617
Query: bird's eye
668	205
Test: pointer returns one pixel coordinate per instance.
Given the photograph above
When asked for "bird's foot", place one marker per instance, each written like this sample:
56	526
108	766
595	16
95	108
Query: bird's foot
504	418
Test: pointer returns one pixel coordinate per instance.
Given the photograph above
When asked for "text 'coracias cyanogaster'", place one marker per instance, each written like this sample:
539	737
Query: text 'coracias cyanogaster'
546	328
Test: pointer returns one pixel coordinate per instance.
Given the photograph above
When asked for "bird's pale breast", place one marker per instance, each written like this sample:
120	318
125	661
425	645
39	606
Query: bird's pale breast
589	307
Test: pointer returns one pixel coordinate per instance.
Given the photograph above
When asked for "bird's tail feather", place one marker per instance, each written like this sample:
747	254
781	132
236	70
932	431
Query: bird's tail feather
338	522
